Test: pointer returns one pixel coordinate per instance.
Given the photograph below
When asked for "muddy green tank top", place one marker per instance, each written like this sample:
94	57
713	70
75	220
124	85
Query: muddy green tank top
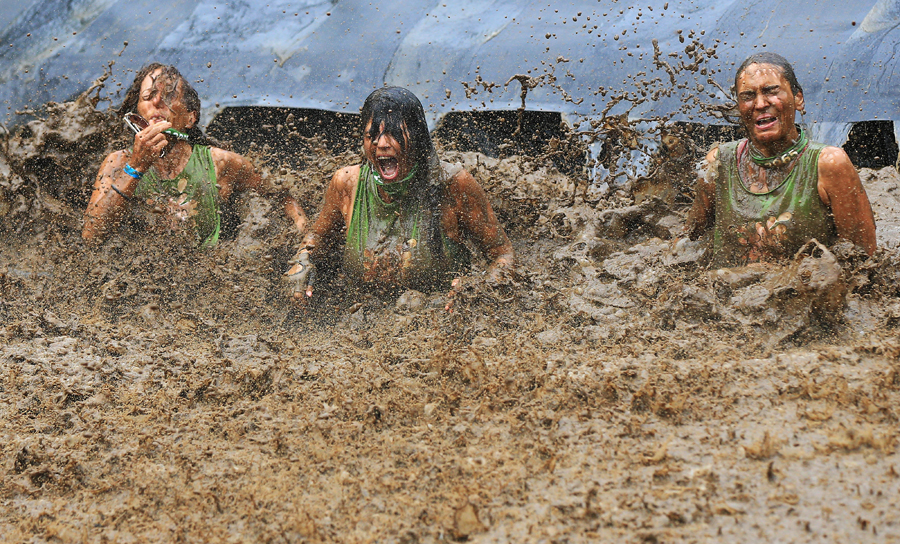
386	242
753	227
191	195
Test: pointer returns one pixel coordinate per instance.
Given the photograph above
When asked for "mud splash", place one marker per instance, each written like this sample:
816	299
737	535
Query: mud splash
614	389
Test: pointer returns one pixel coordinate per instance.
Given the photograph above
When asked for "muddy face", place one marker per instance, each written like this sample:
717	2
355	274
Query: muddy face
767	106
386	154
161	99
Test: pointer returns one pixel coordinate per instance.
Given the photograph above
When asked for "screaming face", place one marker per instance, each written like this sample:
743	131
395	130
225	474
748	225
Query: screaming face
386	154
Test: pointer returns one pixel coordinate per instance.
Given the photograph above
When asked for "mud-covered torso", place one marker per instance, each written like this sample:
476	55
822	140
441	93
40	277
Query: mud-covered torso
753	227
186	204
387	243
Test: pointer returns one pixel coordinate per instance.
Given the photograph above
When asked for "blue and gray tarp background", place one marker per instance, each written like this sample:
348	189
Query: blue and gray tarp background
330	55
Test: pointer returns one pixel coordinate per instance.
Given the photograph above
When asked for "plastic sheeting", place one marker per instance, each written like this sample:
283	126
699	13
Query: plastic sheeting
454	55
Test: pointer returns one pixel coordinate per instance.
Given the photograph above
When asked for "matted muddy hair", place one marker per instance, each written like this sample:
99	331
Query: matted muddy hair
404	120
189	96
775	60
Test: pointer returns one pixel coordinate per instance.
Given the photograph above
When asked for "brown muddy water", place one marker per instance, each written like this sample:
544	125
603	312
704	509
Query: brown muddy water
613	390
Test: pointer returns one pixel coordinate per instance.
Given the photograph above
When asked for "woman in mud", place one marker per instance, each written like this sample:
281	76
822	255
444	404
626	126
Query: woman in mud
172	172
402	215
767	195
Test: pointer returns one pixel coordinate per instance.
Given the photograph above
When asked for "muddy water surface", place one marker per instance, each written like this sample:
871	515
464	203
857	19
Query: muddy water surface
614	389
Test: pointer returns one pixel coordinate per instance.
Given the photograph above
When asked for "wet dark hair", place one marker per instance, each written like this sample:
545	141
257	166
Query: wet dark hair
174	80
775	60
404	120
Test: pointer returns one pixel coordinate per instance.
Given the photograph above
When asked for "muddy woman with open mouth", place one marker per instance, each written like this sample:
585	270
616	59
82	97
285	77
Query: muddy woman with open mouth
402	216
172	176
767	195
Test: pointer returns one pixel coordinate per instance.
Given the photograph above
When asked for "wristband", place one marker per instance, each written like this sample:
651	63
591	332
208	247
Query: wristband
132	172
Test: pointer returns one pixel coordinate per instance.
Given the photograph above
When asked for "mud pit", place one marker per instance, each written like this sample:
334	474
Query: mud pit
612	390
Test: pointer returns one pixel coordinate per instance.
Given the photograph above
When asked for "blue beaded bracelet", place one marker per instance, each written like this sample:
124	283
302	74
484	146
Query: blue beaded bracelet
132	172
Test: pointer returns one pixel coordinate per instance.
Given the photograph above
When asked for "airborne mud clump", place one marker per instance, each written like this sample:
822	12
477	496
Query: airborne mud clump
613	389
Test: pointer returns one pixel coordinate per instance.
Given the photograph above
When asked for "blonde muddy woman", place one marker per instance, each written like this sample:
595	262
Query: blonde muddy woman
767	195
402	217
172	179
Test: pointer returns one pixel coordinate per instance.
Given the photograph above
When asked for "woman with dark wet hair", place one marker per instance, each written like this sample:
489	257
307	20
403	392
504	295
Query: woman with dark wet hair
767	195
402	216
172	173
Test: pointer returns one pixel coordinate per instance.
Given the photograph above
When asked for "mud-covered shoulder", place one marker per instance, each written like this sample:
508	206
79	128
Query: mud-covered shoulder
344	181
834	160
462	186
346	177
230	165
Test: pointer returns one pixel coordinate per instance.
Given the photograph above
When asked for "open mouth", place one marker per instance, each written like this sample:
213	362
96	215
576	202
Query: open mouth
388	167
765	122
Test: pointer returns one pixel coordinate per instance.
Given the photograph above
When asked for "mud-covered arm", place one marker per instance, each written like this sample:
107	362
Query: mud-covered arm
118	179
477	219
325	233
841	190
112	190
237	171
702	215
336	208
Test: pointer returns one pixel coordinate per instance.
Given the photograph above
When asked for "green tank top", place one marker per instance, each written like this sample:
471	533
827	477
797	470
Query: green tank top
752	227
193	193
386	242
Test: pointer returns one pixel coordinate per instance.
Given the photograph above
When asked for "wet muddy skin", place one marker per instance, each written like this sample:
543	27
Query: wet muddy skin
612	390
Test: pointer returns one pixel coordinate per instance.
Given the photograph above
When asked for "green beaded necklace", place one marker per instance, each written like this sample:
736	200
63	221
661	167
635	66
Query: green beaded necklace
784	158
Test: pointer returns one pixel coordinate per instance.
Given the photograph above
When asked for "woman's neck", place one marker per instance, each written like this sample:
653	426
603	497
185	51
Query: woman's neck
778	147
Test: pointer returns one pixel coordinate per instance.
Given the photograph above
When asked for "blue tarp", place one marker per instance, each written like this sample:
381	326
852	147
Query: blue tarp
454	55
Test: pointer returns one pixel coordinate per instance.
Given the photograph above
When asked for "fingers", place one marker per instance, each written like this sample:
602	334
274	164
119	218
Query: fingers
299	292
451	295
149	144
303	295
297	276
310	277
157	128
300	277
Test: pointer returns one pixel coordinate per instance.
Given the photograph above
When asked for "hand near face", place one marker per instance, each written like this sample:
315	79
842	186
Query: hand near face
161	103
148	145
